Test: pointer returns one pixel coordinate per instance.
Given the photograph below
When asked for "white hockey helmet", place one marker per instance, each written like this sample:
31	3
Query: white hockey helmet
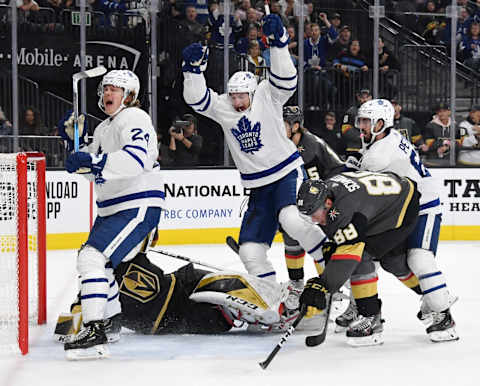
242	82
376	110
124	79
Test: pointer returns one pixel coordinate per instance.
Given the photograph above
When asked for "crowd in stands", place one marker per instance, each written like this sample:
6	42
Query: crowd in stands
336	61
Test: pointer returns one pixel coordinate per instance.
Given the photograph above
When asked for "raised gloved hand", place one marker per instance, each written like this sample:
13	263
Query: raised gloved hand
352	163
79	160
314	294
195	58
66	130
275	31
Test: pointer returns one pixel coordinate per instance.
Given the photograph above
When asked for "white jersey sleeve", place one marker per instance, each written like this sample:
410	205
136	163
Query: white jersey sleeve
283	75
394	153
130	177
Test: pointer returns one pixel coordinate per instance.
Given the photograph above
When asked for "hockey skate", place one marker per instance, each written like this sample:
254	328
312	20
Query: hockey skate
90	343
344	320
366	331
442	328
113	327
295	289
426	314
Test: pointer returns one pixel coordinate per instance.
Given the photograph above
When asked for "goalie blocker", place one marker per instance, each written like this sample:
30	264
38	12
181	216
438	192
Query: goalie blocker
188	300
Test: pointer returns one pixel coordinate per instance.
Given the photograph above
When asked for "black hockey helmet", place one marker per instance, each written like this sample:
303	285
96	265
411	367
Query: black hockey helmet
293	114
311	196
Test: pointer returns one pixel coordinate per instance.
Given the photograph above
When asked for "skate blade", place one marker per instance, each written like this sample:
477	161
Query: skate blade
443	336
372	340
113	337
339	329
96	352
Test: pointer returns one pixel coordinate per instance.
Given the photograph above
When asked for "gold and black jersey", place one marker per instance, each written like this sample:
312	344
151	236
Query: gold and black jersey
154	302
380	199
321	162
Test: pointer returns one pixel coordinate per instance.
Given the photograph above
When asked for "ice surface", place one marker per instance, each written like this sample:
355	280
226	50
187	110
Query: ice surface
406	358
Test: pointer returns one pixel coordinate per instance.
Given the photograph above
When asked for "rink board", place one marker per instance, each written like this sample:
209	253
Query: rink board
205	206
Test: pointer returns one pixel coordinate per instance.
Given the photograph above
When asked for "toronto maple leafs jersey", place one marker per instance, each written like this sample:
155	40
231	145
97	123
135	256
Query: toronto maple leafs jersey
131	177
394	153
256	137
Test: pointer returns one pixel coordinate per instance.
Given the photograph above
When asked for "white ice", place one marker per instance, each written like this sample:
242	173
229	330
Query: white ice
406	358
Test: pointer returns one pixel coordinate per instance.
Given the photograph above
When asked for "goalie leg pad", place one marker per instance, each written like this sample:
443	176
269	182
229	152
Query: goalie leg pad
309	236
94	283
247	297
254	258
432	282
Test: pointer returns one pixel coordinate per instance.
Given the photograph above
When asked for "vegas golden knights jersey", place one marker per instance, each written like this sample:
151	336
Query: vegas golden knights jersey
319	158
382	198
154	302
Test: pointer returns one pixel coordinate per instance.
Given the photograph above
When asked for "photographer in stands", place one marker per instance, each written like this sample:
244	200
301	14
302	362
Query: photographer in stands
185	143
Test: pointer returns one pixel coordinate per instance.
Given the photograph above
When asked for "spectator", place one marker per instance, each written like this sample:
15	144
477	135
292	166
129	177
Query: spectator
185	143
196	29
319	87
341	44
5	126
470	47
31	123
336	20
471	126
350	133
241	46
27	5
388	65
201	8
353	67
437	136
408	127
331	134
216	25
256	60
431	27
293	44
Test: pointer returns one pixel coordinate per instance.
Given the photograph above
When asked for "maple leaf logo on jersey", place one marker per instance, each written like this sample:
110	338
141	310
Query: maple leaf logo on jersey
333	213
247	136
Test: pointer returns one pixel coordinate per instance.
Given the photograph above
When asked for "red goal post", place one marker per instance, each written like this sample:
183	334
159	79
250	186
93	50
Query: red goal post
22	247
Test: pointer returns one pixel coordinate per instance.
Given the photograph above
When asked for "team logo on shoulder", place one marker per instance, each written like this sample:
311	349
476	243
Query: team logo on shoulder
333	213
139	284
247	136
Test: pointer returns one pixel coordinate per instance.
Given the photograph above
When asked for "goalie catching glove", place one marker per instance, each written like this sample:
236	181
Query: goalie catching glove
66	130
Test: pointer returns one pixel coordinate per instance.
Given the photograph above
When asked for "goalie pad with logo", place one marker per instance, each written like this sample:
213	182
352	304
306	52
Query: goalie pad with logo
248	298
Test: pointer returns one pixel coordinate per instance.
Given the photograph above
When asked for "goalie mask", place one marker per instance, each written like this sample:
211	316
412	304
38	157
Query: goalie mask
124	79
312	195
375	110
242	82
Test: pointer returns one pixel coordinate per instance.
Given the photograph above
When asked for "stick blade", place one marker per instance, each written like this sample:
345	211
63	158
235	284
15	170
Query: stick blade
263	364
91	73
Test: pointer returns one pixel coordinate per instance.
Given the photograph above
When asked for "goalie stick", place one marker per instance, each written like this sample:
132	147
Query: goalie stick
315	340
285	337
184	258
92	73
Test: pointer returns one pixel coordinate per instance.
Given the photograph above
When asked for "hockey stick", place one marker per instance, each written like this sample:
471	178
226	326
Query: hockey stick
315	340
184	258
232	243
285	337
92	73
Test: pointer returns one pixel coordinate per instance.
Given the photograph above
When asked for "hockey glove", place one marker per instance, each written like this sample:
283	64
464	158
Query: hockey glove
314	294
352	163
195	58
66	130
80	159
275	31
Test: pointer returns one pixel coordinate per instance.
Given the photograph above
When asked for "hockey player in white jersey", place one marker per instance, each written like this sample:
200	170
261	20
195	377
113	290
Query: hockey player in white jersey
386	150
268	162
122	164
